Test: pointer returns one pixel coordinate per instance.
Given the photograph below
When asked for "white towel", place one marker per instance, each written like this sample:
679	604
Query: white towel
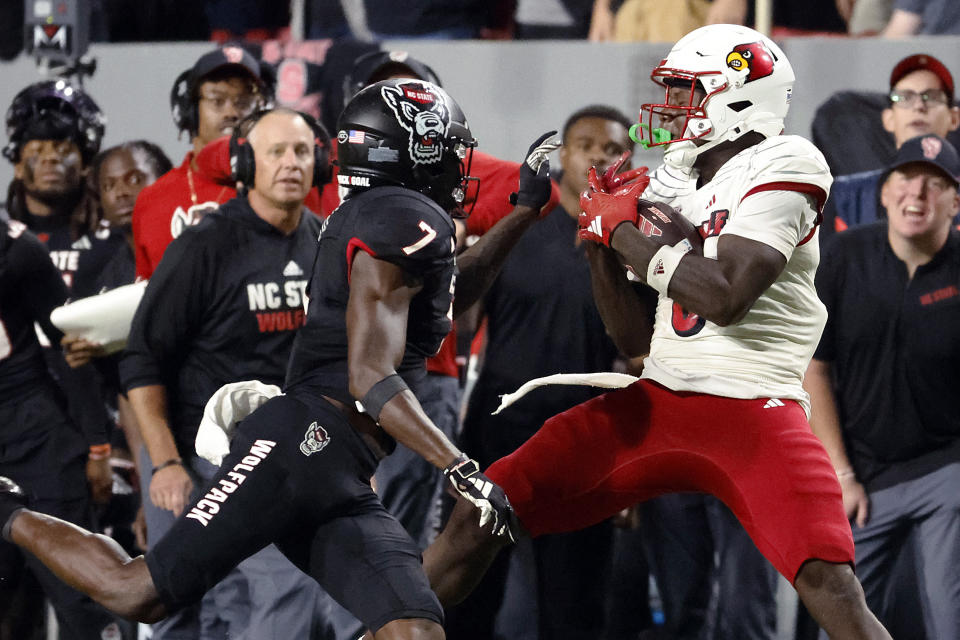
230	404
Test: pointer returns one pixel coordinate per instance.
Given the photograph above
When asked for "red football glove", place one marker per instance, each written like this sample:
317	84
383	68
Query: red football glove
611	180
603	212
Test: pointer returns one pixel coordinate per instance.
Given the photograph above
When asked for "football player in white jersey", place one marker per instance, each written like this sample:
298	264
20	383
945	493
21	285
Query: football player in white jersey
720	408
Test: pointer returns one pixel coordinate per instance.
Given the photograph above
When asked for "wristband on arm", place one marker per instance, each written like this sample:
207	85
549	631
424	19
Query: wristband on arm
381	393
662	265
12	502
100	451
164	465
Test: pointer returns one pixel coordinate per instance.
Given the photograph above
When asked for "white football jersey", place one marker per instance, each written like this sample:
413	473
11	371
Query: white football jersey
769	193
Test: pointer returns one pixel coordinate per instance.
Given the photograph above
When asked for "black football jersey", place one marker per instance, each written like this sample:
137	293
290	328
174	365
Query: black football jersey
394	224
66	253
30	288
97	249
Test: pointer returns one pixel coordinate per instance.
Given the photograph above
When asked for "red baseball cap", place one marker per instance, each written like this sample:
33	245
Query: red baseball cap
923	61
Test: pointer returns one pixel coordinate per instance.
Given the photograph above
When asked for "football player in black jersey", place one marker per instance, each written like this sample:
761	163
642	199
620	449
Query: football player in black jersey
380	300
40	446
54	131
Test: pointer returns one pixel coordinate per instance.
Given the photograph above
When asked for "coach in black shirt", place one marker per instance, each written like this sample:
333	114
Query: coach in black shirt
224	305
884	380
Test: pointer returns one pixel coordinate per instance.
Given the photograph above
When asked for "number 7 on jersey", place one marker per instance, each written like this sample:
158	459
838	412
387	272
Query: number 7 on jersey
422	242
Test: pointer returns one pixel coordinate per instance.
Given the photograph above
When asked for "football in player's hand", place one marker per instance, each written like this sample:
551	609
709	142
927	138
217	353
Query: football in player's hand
665	225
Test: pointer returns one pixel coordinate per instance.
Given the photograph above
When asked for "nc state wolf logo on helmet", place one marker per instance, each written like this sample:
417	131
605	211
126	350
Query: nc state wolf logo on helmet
314	440
424	114
754	58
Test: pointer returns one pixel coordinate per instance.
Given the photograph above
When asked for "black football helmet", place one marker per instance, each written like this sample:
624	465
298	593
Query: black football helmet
407	133
54	110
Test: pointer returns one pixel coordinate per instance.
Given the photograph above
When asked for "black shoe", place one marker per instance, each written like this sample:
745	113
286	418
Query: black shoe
12	500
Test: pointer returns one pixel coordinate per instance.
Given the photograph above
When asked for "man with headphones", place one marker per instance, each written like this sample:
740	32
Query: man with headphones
207	101
222	306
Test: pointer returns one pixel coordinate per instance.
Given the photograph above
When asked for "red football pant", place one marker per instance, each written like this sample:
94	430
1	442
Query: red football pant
632	444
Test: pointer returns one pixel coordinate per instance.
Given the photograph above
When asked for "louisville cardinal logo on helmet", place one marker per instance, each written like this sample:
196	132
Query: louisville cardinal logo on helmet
754	58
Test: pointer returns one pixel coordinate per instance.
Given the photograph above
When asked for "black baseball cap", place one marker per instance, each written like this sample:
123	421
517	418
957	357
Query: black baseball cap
378	65
923	61
227	56
928	149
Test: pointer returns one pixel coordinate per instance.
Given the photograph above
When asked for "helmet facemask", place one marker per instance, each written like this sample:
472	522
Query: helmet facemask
690	108
447	182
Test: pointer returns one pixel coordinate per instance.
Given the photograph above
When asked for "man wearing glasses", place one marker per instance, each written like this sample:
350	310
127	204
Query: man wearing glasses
223	87
921	102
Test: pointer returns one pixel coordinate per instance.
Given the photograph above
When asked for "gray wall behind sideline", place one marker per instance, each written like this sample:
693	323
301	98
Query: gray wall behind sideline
510	91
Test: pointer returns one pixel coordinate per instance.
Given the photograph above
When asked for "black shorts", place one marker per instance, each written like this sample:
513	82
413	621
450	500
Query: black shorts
298	476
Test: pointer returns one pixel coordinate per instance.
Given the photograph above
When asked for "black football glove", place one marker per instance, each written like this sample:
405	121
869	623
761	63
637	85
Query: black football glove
490	499
534	191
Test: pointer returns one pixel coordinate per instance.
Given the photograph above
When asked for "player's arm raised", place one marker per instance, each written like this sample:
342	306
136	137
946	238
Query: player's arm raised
479	265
